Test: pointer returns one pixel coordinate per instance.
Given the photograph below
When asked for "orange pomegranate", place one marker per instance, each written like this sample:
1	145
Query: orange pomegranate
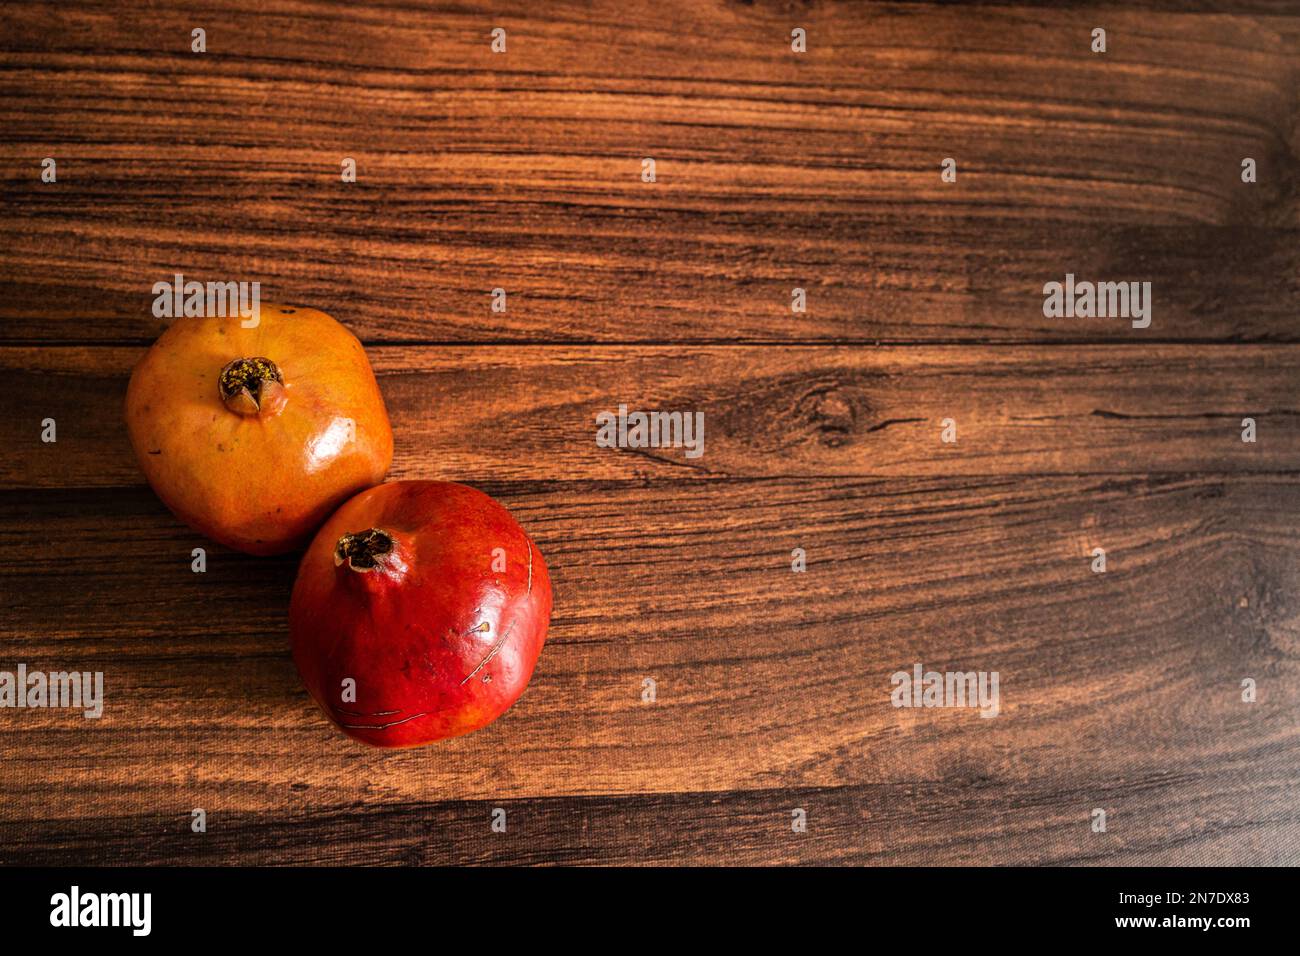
254	436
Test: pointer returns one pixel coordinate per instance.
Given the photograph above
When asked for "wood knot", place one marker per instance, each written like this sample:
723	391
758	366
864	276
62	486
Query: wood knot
830	414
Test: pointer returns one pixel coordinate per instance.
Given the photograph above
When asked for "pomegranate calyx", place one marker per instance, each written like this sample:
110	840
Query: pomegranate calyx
364	551
252	386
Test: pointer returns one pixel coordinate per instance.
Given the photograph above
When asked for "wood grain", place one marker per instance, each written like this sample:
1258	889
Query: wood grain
1138	668
882	824
511	413
774	170
1120	690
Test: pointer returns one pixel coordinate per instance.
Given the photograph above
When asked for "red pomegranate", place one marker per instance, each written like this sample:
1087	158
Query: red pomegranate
419	612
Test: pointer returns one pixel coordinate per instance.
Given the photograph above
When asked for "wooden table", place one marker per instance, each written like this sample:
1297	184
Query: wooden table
774	170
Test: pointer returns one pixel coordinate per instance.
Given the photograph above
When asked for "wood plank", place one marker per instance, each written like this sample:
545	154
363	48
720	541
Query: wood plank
775	170
1118	689
1233	814
498	413
654	275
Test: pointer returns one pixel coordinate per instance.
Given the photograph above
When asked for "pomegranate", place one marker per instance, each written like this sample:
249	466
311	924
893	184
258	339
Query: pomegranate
419	612
252	436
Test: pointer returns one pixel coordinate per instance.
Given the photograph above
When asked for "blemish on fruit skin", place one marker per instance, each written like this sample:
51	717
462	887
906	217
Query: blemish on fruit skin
357	713
491	654
383	726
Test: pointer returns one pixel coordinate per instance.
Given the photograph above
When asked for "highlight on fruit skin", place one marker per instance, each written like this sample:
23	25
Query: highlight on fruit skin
253	436
419	612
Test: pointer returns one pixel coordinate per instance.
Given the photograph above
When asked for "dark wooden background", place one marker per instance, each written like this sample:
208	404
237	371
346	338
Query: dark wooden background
475	170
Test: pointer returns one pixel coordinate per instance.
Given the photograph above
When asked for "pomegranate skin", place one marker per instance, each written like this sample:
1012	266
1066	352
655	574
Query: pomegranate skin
258	472
438	618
